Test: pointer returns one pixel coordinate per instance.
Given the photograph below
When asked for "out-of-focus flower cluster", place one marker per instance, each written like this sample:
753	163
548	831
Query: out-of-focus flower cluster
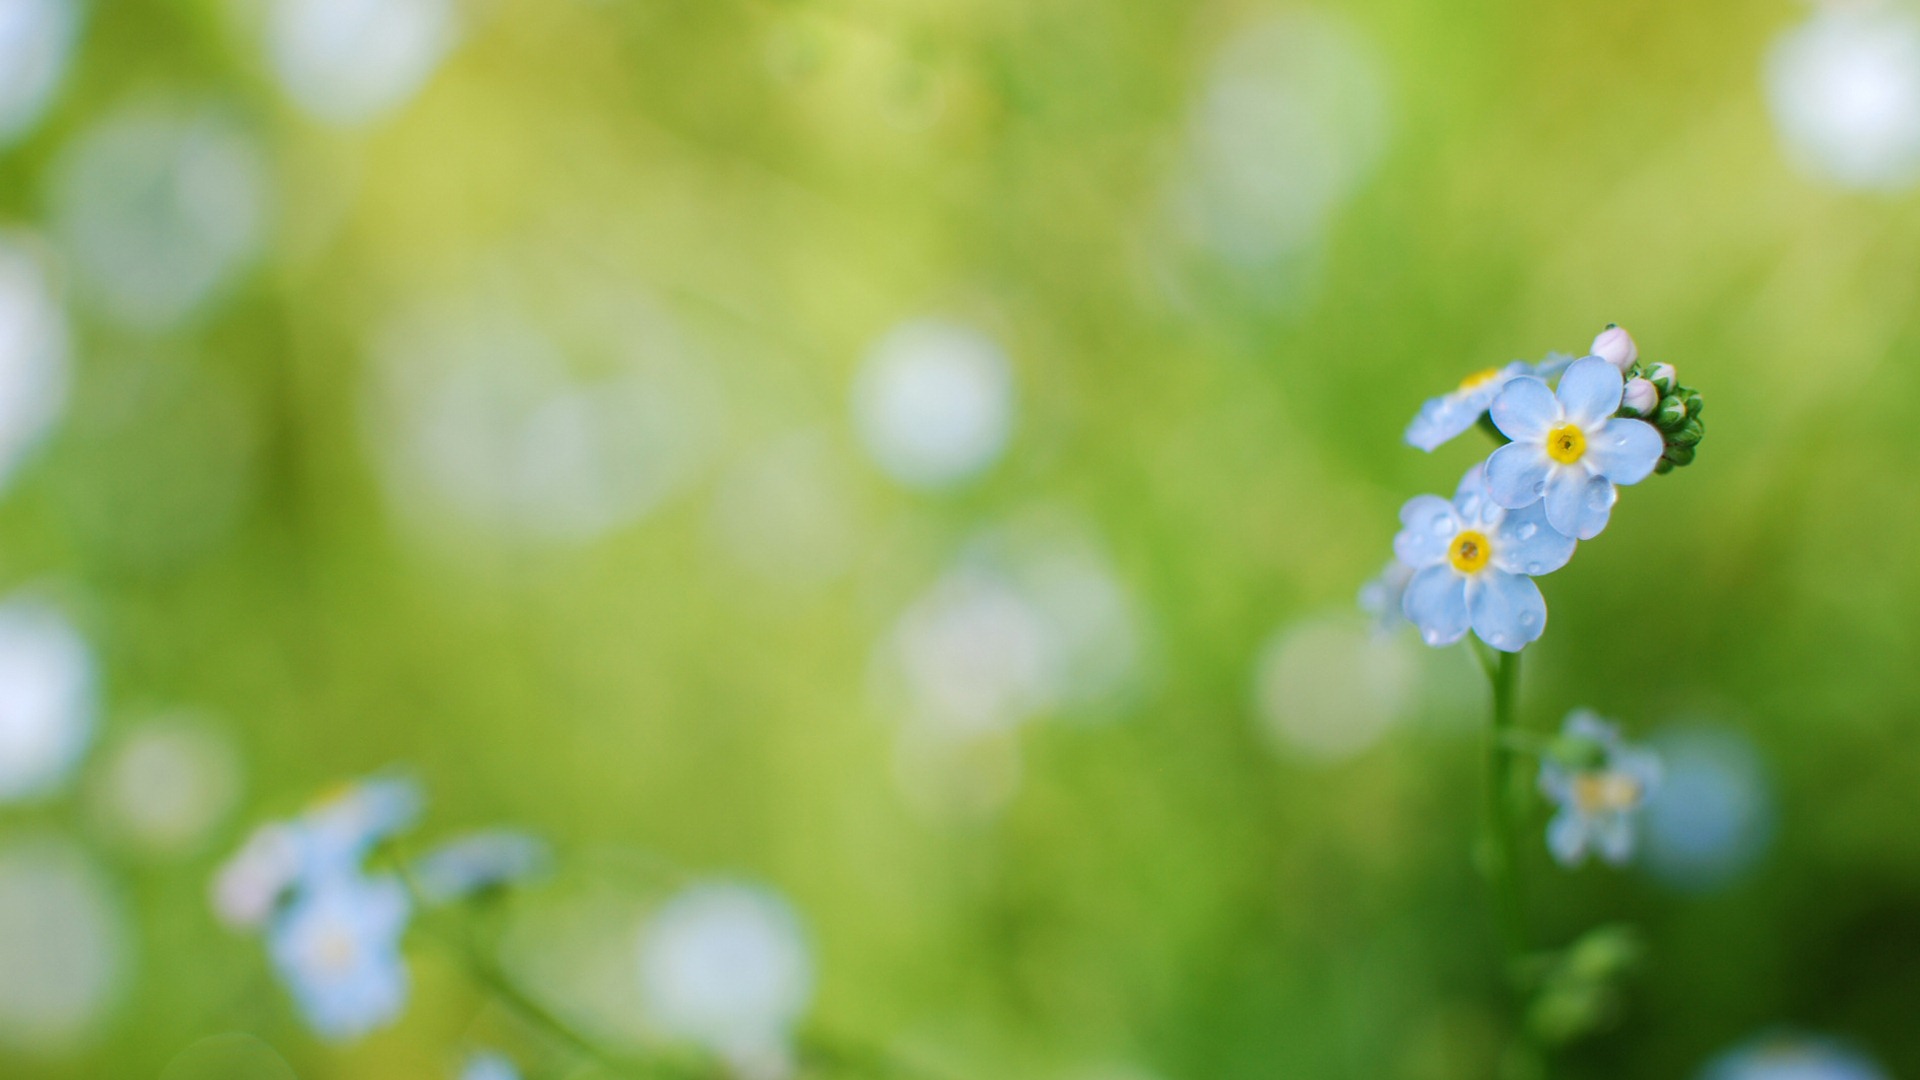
334	924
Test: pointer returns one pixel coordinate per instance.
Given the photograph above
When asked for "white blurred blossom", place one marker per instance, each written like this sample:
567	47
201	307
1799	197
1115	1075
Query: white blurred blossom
46	699
933	402
160	209
36	42
727	966
352	61
1290	119
62	946
168	783
1327	688
1844	88
33	353
482	417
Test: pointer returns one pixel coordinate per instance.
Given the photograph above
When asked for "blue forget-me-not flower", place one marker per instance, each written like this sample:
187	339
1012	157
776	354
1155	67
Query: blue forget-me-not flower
1474	562
478	862
337	948
1443	417
487	1065
1598	796
1792	1057
1568	449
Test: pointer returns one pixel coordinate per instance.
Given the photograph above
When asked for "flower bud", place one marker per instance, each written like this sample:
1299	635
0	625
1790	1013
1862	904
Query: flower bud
1679	455
1686	434
1671	413
1640	397
1616	347
1694	404
1663	377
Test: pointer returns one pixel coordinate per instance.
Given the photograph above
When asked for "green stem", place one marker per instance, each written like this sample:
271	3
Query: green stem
1502	826
1500	858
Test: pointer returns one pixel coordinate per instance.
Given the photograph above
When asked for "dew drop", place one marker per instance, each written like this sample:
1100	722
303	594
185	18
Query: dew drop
1525	532
1443	526
1536	567
1539	487
1432	636
1529	619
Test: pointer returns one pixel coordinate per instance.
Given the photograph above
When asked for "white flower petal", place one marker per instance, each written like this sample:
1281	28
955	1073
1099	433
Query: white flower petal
1507	609
1624	451
1430	524
1590	391
1525	410
1579	503
1436	602
1526	543
1517	474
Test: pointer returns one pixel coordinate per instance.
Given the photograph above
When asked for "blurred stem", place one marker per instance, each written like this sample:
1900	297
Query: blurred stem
1501	862
1500	854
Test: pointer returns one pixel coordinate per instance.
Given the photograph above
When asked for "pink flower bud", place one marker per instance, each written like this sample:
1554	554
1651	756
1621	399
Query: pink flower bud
1616	347
1640	396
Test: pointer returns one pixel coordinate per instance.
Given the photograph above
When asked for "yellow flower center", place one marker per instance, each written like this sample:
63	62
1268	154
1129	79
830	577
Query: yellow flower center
1566	443
1597	792
1479	378
1469	551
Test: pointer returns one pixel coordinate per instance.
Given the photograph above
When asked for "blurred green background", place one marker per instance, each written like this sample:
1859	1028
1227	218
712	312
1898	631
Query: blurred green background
517	423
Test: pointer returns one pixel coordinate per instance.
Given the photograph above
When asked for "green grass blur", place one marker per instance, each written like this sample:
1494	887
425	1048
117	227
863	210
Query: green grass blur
784	181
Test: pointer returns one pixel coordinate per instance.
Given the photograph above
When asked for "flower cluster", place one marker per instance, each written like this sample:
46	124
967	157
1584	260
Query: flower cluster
333	926
1469	564
333	929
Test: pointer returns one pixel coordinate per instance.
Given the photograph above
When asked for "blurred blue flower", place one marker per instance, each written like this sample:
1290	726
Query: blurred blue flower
477	862
337	948
487	1065
1474	565
1381	598
1713	817
1597	802
338	831
1791	1057
1568	450
1446	416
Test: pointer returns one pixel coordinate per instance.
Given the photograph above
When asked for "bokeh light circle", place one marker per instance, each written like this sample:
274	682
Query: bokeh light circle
46	698
159	209
62	944
933	402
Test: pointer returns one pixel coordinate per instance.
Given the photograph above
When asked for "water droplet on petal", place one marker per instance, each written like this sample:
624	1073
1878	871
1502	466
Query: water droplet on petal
1536	567
1529	619
1443	526
1525	532
1432	636
1539	487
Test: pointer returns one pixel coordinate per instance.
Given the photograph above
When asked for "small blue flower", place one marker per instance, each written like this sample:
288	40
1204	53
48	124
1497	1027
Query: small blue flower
1597	803
478	862
487	1065
337	948
1474	564
1791	1057
1446	416
1568	450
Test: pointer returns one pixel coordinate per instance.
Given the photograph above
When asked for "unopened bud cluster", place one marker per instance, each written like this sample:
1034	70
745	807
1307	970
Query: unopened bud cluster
1655	394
